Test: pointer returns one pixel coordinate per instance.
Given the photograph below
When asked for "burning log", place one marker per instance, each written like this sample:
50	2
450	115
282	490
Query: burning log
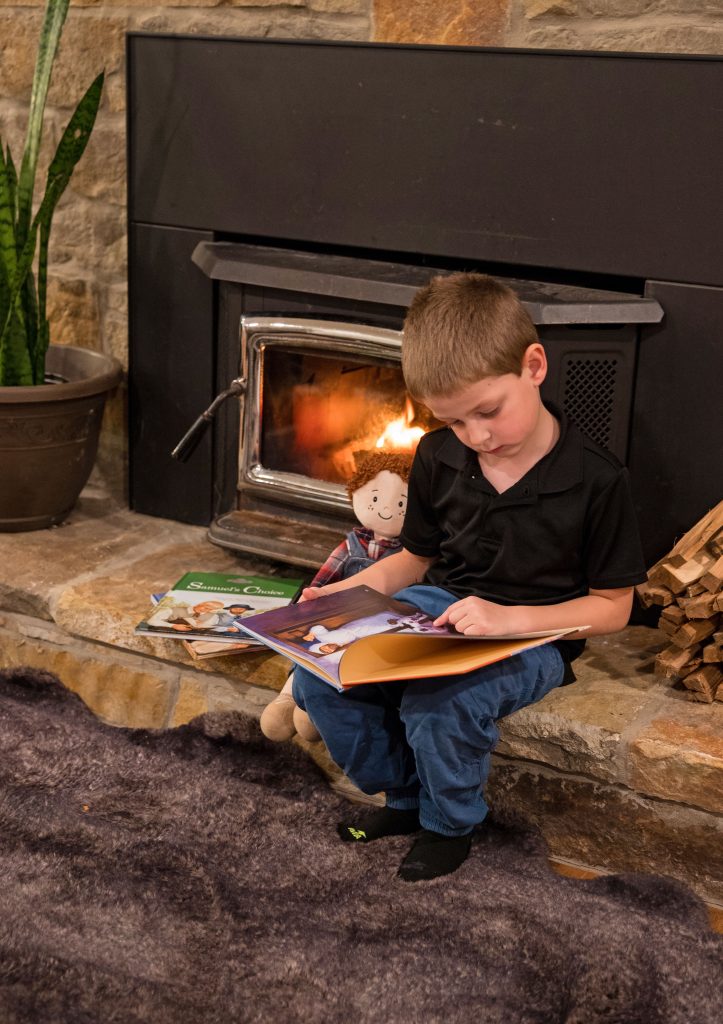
688	585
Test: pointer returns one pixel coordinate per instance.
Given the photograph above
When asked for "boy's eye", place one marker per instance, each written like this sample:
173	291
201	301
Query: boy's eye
375	498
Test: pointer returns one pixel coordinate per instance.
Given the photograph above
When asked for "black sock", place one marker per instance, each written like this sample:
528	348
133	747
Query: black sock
433	855
387	821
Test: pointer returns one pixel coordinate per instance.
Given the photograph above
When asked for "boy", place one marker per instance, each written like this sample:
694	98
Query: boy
515	522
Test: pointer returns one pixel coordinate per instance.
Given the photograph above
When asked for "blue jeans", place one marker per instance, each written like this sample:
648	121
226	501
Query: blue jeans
427	743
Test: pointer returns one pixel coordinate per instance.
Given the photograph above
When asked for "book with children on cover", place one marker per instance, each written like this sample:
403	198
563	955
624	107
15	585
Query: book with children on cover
361	636
210	606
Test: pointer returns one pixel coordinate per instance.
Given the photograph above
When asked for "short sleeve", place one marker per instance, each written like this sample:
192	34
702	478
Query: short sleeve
421	533
613	556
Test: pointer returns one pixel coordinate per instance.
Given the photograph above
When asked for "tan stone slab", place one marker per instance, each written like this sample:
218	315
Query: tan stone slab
679	755
34	565
609	827
198	694
579	728
449	22
120	693
108	607
628	656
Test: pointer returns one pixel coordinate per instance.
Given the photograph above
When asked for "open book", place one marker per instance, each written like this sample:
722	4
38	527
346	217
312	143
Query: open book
362	636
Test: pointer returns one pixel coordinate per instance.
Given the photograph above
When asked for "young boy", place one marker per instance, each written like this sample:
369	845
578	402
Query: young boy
515	522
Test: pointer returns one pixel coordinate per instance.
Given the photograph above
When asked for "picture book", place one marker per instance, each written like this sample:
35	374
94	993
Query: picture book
361	636
202	649
212	605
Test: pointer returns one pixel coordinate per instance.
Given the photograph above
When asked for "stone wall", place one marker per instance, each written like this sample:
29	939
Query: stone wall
87	281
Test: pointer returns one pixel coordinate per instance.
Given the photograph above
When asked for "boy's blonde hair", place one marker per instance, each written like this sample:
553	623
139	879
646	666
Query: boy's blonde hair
460	328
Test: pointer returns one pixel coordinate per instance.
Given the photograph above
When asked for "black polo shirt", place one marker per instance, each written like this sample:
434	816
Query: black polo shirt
567	526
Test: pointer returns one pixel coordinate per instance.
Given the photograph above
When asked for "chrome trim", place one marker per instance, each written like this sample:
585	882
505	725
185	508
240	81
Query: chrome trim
256	335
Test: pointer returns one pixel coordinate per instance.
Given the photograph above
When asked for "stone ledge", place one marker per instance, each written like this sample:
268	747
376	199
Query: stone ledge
612	829
619	770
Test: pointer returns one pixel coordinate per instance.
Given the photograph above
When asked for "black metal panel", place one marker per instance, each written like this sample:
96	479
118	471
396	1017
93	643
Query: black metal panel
676	451
606	163
171	372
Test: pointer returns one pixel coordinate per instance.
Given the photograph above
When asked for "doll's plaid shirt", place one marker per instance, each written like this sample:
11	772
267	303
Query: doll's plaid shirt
333	568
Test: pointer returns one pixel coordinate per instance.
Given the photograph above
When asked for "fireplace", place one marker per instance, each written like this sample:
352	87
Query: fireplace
287	199
321	391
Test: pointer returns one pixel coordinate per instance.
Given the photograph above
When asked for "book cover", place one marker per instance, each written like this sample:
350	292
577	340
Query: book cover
212	605
361	636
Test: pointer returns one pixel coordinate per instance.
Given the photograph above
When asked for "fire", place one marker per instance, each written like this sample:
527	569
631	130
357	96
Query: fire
399	433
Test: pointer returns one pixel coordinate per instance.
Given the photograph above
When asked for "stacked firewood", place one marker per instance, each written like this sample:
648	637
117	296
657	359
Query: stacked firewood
688	585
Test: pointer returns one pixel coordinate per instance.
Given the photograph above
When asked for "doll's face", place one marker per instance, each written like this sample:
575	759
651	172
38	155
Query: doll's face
381	503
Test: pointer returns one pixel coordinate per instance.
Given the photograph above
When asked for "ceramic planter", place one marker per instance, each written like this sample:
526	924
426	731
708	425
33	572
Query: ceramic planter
49	437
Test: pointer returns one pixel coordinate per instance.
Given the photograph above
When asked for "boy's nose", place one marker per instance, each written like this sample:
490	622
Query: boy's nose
478	433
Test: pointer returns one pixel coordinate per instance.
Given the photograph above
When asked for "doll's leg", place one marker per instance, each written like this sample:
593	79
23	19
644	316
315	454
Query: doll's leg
304	726
277	718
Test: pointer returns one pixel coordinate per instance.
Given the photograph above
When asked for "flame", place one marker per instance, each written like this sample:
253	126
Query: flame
399	433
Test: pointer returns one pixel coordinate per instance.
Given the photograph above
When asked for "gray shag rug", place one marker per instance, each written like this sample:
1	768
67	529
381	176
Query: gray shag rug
195	875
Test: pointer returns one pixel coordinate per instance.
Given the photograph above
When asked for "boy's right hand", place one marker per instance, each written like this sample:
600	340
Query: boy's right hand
311	593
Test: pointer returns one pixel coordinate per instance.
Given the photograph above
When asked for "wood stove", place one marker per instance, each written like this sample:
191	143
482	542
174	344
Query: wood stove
321	392
321	182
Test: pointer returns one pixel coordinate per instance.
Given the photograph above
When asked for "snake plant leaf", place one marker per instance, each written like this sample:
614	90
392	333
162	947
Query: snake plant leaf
8	255
55	14
15	365
12	176
70	149
8	266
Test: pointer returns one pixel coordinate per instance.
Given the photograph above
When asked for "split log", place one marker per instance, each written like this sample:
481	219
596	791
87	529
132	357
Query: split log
713	578
673	614
713	652
715	543
651	594
702	607
705	681
677	578
675	663
693	632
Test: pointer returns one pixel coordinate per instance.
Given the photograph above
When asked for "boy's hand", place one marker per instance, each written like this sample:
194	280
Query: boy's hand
311	593
475	617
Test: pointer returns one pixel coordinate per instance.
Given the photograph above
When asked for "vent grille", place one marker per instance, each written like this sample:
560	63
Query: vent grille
589	396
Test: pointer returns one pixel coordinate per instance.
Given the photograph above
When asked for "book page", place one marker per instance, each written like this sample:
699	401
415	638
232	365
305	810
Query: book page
378	659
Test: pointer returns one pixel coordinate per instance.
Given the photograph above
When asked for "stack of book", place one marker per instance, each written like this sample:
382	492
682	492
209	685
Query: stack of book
205	611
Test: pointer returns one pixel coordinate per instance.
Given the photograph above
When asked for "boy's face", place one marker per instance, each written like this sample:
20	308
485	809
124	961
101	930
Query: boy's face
498	417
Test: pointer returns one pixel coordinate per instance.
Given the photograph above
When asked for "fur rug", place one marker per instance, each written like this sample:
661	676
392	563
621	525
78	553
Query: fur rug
194	875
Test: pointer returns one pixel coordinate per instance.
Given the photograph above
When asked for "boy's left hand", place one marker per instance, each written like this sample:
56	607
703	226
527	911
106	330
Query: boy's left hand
477	617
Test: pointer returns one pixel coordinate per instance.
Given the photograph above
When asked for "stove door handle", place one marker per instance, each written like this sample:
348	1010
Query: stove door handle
190	440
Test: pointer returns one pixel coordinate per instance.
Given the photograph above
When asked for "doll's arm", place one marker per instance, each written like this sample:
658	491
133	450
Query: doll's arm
333	567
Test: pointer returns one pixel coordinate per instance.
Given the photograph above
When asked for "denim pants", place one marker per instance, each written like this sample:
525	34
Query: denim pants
427	743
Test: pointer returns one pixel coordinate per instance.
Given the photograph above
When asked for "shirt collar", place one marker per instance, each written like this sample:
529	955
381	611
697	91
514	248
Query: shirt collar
559	470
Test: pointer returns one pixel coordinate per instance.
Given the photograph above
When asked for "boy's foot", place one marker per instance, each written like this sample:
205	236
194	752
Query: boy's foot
433	855
387	821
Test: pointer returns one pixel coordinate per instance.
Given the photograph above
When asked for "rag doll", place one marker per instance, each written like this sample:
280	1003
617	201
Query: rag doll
378	494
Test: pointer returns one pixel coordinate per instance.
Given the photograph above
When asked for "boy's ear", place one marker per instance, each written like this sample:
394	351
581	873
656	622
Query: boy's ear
535	362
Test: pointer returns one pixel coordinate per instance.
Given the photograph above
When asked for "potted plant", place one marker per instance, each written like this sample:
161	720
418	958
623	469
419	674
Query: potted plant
51	396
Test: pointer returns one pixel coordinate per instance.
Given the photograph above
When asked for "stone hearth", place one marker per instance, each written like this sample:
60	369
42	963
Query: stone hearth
620	771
